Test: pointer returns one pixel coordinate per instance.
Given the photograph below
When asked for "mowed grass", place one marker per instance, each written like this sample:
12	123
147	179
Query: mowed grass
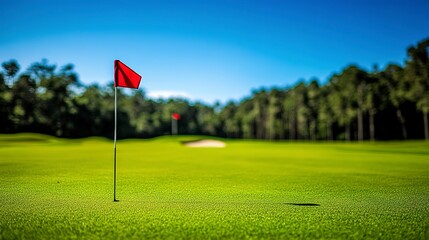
55	189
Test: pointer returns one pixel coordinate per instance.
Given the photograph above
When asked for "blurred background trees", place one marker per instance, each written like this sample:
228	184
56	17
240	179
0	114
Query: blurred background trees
354	104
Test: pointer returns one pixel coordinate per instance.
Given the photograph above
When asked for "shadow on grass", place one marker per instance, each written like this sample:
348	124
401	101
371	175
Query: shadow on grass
191	141
304	204
24	139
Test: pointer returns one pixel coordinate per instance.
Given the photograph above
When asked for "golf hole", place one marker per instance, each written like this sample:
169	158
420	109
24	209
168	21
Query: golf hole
304	204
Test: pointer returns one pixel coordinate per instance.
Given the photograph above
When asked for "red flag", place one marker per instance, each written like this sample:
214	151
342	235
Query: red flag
125	76
175	116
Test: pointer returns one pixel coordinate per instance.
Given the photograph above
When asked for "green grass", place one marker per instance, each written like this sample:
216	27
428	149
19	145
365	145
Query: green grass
54	189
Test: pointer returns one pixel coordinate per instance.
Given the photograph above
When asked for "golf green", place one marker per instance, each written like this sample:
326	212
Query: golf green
54	188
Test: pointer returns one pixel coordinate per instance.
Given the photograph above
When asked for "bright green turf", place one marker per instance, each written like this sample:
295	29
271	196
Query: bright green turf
54	188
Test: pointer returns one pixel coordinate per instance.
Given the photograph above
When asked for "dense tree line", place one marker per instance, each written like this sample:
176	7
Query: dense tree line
389	103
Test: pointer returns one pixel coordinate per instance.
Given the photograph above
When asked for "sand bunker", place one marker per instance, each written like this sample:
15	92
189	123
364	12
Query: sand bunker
206	144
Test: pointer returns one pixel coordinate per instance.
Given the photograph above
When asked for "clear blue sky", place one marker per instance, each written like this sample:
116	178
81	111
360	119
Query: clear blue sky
211	50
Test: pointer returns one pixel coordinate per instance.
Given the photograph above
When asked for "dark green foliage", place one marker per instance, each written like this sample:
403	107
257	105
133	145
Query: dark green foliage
11	68
392	103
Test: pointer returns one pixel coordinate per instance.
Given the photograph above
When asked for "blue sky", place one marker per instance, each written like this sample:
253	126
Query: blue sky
211	50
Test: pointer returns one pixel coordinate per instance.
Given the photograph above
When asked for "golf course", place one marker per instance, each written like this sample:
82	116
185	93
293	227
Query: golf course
53	188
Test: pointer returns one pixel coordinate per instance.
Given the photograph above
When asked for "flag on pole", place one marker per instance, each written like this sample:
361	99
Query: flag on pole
125	76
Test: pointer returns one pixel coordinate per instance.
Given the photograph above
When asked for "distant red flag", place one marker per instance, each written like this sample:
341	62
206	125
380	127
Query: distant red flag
125	76
175	116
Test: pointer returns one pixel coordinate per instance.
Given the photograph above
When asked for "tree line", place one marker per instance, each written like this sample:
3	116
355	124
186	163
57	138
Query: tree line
355	104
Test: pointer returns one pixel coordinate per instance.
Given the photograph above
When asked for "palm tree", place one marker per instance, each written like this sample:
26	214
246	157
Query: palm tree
417	74
392	78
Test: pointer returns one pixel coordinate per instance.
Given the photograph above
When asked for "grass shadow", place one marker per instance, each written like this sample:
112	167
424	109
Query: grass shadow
304	204
184	142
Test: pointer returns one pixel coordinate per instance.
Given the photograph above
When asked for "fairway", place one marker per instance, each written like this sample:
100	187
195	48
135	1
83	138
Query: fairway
56	188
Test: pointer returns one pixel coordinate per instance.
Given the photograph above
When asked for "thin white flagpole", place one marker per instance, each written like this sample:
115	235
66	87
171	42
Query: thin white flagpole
114	151
173	126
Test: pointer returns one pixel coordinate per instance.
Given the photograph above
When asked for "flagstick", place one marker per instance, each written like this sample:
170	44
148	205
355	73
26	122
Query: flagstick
173	126
114	152
123	77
